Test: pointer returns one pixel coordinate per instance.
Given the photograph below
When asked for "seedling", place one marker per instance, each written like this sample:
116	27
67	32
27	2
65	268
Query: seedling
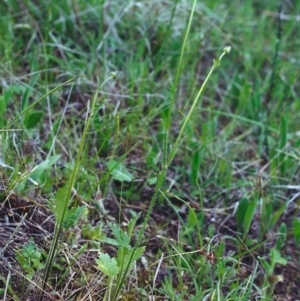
116	269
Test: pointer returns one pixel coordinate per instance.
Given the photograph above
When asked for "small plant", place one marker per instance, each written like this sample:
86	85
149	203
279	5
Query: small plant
30	259
244	215
116	269
66	217
269	268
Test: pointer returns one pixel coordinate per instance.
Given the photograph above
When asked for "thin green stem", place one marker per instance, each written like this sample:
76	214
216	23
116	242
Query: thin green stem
38	100
200	92
179	67
67	196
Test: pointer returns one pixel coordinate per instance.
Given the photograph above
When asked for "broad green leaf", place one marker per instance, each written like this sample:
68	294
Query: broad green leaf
152	181
241	211
110	241
192	218
248	289
195	162
124	255
33	119
59	203
71	217
38	170
92	232
249	216
20	258
139	252
4	100
296	231
121	236
276	258
25	96
131	225
119	172
107	265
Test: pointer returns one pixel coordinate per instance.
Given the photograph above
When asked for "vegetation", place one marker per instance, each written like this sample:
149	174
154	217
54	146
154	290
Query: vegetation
149	150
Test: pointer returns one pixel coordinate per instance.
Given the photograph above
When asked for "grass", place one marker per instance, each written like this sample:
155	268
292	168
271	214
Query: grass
166	180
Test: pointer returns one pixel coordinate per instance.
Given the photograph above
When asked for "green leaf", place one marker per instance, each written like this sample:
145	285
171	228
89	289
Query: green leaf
4	99
131	225
59	205
151	181
281	237
124	255
276	257
71	217
282	143
107	265
249	216
195	167
32	119
119	172
241	211
37	172
109	240
122	258
25	97
29	258
265	265
138	253
121	236
248	289
192	220
296	231
20	258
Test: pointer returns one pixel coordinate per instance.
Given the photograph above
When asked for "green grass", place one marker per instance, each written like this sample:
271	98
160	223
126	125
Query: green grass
165	180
